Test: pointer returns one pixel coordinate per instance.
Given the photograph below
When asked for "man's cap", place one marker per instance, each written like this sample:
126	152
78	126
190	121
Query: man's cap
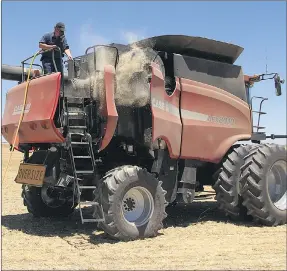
60	26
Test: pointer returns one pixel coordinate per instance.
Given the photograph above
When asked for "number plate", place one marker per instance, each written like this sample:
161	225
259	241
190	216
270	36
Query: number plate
31	174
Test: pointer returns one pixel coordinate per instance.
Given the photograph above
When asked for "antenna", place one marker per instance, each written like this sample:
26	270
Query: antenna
266	69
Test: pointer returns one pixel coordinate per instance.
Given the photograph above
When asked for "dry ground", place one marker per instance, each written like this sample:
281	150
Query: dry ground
190	240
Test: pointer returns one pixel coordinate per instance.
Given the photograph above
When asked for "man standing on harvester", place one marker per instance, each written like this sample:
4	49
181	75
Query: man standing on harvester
53	40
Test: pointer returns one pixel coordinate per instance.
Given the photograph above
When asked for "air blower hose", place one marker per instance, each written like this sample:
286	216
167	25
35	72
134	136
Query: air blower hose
22	113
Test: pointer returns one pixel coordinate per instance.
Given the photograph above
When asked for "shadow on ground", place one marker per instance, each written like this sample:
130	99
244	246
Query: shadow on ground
62	227
199	212
178	216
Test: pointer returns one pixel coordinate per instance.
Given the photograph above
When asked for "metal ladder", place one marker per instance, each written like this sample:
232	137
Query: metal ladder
79	138
258	127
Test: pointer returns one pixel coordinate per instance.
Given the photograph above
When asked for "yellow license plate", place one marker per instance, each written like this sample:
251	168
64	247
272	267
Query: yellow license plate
31	174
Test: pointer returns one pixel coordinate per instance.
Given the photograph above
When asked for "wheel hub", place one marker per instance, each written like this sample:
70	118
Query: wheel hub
137	206
51	198
129	204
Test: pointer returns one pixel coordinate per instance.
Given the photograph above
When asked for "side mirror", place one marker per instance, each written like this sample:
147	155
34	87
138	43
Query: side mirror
278	83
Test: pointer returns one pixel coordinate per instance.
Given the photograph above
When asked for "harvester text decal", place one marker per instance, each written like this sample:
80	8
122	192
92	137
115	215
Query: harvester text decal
163	105
222	120
192	115
18	109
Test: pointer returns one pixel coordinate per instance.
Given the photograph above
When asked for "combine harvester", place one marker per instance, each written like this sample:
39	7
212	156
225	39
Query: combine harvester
131	142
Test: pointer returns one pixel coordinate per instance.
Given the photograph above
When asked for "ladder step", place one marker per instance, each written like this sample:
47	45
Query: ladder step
93	220
87	187
91	203
76	100
75	113
73	117
82	157
78	134
78	127
259	112
79	143
84	171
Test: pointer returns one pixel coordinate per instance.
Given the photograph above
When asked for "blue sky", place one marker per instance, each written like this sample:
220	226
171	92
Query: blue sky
259	27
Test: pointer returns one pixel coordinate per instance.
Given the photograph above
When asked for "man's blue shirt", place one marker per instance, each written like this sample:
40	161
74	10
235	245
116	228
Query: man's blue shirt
50	39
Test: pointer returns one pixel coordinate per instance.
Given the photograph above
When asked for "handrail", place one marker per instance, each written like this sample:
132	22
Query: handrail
94	47
40	53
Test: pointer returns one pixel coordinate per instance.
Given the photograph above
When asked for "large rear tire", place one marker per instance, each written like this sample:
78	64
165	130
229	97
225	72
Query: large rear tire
133	203
227	185
263	184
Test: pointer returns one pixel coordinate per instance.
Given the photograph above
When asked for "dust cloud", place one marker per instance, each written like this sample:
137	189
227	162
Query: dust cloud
132	73
132	78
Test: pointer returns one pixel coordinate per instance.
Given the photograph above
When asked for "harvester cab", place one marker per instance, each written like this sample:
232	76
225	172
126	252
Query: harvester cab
133	128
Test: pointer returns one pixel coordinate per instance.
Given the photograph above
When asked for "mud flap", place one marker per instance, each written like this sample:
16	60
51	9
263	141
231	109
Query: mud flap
186	189
166	170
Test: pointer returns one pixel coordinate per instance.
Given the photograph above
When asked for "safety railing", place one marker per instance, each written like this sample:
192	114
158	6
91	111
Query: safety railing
24	62
108	46
259	112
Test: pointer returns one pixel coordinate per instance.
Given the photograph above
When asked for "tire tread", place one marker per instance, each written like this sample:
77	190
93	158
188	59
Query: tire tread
225	187
113	179
251	182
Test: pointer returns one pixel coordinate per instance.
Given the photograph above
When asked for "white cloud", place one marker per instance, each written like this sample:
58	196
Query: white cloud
89	37
131	37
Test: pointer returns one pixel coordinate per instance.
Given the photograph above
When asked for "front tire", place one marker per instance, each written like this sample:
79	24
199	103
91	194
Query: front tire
133	203
263	184
33	200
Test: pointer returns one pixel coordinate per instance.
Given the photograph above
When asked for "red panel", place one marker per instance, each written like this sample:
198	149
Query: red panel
109	110
213	121
37	125
165	113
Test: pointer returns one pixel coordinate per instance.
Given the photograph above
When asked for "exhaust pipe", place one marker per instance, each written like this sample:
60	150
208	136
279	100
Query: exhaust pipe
12	73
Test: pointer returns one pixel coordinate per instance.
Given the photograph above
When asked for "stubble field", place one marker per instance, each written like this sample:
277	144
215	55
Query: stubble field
197	237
